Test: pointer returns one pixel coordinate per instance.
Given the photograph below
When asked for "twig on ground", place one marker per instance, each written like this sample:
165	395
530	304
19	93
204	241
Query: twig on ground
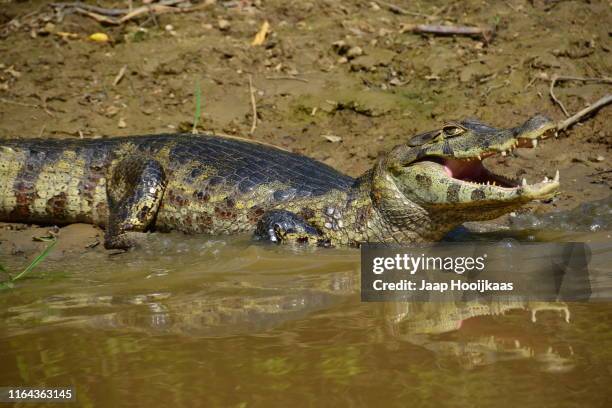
599	173
586	111
559	78
531	82
27	105
253	105
43	105
604	80
16	21
511	6
94	9
551	91
493	87
120	75
288	77
120	16
485	33
398	10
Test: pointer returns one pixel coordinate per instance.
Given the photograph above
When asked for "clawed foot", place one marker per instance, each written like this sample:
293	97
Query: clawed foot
286	227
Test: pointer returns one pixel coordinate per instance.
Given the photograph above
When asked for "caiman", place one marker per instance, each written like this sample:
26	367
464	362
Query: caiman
207	184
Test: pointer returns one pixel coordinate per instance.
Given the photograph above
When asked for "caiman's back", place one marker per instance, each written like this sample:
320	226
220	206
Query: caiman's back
206	178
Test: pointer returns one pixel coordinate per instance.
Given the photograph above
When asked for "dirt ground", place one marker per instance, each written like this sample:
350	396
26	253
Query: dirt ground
349	72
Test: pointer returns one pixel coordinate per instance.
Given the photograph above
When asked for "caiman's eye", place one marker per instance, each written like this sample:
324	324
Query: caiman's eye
453	130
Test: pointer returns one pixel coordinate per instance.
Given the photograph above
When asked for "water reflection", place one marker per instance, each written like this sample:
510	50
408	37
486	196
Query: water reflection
423	324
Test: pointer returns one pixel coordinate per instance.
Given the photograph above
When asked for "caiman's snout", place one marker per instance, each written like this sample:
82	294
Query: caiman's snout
445	167
536	128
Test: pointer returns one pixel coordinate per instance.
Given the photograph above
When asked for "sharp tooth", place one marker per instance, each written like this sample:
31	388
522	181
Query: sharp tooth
504	153
479	158
524	182
487	182
534	143
557	176
545	179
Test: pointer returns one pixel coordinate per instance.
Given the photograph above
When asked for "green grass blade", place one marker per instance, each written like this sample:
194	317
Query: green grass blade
36	261
198	107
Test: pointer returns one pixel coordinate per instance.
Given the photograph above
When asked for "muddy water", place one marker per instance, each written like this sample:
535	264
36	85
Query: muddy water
226	322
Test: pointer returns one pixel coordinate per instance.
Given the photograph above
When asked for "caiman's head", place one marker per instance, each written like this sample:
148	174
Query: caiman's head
443	171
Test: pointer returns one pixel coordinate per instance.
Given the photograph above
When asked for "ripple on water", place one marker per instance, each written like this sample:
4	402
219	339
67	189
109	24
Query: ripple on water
594	216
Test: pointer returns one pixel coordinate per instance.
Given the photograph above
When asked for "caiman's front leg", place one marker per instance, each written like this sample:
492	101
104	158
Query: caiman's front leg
280	226
134	191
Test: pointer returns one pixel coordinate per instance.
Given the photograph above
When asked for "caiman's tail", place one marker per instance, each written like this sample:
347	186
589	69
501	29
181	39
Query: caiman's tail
50	181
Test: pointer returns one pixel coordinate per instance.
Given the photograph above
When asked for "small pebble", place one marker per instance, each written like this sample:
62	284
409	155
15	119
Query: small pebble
49	28
223	25
354	52
341	47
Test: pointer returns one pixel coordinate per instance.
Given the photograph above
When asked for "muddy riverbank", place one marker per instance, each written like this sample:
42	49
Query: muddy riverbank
340	82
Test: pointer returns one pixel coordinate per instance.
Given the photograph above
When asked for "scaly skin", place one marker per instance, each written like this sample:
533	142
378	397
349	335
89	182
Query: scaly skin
222	185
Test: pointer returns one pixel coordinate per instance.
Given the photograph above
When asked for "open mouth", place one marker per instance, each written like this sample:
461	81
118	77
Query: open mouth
472	170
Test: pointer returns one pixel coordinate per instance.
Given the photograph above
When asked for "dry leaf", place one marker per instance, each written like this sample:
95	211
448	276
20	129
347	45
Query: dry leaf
332	138
99	37
260	37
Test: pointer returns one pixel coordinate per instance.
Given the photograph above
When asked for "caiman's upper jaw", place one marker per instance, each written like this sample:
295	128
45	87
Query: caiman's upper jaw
526	138
537	128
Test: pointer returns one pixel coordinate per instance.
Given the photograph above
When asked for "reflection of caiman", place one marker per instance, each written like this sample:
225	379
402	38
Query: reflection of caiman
220	185
424	323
